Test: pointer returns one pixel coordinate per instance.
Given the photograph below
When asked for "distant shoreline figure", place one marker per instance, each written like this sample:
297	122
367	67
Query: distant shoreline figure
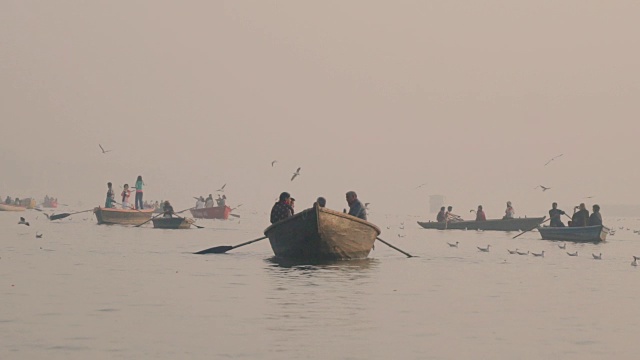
480	216
442	215
281	209
580	217
126	193
108	203
596	217
555	216
139	185
509	213
355	206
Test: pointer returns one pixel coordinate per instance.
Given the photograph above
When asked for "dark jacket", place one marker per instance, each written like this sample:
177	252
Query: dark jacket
580	218
280	211
555	216
595	219
357	209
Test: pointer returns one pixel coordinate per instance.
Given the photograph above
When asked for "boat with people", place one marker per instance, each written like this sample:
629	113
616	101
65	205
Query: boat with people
594	233
172	223
112	216
28	203
6	207
50	202
215	212
516	224
319	233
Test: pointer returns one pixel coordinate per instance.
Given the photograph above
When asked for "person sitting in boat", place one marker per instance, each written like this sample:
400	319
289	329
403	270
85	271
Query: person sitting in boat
126	194
110	196
555	216
596	217
509	213
355	206
222	201
580	216
451	217
17	202
8	200
480	216
322	202
442	215
292	203
281	209
167	210
209	202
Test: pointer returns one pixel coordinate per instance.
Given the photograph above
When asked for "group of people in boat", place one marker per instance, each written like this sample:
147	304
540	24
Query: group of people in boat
9	201
50	201
285	206
125	195
579	218
201	202
446	214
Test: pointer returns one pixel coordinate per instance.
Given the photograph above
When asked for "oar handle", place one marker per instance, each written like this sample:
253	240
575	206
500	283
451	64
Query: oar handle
531	228
248	242
394	248
148	220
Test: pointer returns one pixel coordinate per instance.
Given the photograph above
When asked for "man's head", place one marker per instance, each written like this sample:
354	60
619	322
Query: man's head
583	206
284	196
479	207
109	185
554	205
508	203
442	208
596	208
449	208
321	201
351	197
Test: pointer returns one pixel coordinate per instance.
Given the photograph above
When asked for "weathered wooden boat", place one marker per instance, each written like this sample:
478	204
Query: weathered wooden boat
322	234
121	216
172	223
216	212
5	207
576	234
518	224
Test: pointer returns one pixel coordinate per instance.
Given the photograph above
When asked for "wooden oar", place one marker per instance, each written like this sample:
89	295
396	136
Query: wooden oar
531	228
64	215
224	248
394	248
149	220
234	215
180	217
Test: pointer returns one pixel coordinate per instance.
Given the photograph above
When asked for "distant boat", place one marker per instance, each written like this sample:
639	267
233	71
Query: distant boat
172	223
28	203
5	207
576	234
50	203
518	224
322	234
216	212
111	216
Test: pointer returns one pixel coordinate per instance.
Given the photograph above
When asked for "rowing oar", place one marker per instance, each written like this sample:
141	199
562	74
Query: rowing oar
394	248
224	248
149	220
531	228
180	217
64	215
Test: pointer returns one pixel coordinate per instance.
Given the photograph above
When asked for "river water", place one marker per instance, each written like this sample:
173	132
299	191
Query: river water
88	291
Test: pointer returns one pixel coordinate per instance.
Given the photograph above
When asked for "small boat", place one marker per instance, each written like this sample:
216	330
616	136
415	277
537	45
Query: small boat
322	234
595	233
111	216
28	203
216	212
172	223
518	224
5	207
50	203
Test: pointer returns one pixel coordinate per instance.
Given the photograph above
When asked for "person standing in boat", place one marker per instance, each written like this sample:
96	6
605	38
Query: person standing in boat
580	216
110	196
167	210
596	217
209	202
139	185
480	216
126	194
509	213
442	215
355	206
281	209
555	216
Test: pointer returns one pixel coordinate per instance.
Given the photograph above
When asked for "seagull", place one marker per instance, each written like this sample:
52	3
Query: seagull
103	150
484	249
553	158
562	246
635	261
512	251
38	236
453	245
522	253
222	188
589	197
597	257
297	173
23	222
544	188
472	211
538	255
401	236
421	185
572	254
273	162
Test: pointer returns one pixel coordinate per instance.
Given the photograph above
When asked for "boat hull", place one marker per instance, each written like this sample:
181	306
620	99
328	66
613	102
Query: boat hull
171	223
576	234
216	212
5	207
322	234
519	224
111	216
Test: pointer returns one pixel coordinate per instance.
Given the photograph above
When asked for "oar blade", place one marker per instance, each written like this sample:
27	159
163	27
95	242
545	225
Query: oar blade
58	216
215	250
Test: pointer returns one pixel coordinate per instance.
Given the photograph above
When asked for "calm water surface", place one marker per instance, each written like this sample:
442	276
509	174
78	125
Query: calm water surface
85	291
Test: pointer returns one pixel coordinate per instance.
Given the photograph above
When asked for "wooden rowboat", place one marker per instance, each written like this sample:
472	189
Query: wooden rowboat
216	212
172	223
5	207
322	234
576	234
111	216
519	224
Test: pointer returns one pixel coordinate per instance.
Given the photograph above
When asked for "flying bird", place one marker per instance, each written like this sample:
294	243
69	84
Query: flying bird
103	150
589	197
273	162
553	158
297	173
23	222
222	188
544	188
38	236
421	185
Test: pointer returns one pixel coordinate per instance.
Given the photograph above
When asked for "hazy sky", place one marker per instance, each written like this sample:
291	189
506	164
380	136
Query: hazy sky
379	97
